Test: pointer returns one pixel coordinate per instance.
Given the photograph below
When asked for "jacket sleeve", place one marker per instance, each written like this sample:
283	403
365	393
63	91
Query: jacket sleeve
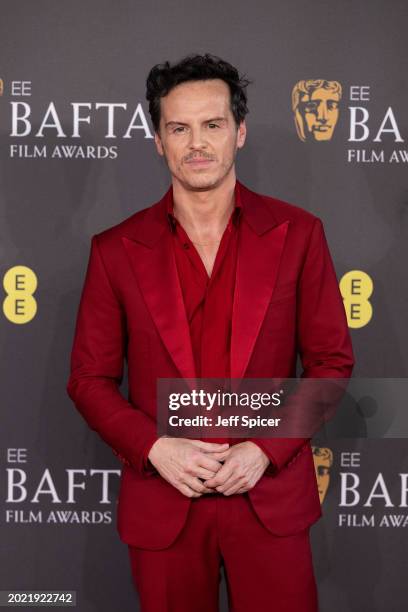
323	337
97	359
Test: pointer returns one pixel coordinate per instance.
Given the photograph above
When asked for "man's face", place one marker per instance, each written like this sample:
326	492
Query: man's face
320	111
198	135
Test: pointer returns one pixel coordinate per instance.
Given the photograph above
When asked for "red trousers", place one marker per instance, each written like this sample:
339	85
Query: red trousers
264	572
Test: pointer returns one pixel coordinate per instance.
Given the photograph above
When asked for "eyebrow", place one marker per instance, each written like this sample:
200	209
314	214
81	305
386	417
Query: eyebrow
170	123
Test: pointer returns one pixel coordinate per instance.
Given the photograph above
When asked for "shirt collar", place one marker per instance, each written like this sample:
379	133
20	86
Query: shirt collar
236	214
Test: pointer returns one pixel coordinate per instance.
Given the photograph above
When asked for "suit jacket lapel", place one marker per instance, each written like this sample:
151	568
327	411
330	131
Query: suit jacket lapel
150	250
261	243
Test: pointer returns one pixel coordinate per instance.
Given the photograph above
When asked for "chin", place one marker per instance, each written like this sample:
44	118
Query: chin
201	183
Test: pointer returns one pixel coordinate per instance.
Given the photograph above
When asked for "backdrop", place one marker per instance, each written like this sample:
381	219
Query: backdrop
77	156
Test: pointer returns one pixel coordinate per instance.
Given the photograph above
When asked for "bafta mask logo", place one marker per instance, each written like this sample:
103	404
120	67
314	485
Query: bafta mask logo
315	104
1	87
323	460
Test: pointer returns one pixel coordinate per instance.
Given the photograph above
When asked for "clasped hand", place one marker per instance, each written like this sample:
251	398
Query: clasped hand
195	468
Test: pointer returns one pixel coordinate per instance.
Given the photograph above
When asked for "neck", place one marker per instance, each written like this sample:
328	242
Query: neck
204	214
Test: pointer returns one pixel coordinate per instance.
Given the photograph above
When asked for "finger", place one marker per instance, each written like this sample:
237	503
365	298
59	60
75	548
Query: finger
208	463
221	455
221	476
195	484
210	447
233	487
185	490
232	482
204	474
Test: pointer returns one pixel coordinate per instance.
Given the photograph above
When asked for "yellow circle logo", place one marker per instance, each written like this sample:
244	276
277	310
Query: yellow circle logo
356	287
20	283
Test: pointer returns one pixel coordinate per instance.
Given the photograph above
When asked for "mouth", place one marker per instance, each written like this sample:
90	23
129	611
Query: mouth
322	128
200	162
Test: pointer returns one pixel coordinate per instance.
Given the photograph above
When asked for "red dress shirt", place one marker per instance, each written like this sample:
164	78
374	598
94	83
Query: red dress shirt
208	300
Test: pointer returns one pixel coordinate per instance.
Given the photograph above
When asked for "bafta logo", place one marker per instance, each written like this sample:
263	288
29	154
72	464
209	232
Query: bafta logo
323	460
315	104
1	87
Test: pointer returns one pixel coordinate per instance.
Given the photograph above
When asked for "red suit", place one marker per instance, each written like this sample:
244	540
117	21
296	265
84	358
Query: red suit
286	302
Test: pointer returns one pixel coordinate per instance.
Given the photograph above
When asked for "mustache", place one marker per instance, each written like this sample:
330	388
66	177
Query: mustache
199	155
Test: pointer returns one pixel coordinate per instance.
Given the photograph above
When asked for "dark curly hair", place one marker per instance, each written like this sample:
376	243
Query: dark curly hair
163	77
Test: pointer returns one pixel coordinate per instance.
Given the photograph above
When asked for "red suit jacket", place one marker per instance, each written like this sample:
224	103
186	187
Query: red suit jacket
286	302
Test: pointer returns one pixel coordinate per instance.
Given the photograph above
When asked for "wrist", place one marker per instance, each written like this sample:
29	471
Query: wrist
157	444
262	454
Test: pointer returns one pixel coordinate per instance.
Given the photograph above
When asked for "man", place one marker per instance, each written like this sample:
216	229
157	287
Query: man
213	280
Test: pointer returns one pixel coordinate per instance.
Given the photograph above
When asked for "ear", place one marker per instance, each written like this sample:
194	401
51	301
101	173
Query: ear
158	143
242	130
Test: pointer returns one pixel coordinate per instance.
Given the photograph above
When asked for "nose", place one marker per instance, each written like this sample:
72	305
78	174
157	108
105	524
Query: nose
322	112
197	138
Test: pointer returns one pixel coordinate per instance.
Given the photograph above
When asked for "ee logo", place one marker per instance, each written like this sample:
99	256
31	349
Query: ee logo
356	288
19	284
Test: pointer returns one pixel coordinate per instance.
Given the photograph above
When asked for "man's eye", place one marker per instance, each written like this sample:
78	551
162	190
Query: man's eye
213	125
178	129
